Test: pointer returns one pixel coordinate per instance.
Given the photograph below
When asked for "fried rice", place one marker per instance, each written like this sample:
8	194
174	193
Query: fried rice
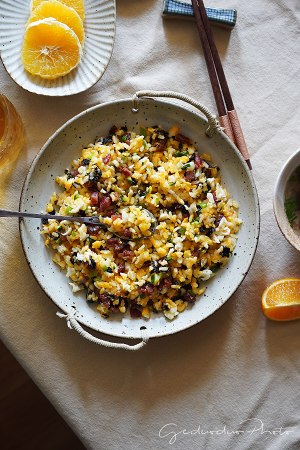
118	179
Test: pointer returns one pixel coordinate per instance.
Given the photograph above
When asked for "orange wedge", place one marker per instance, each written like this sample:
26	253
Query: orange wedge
281	300
78	5
60	12
50	49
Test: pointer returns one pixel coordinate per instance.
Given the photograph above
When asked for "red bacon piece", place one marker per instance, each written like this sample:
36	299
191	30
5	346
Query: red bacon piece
94	198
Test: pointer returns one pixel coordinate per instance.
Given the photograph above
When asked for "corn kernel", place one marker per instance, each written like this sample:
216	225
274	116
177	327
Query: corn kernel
162	251
49	208
96	244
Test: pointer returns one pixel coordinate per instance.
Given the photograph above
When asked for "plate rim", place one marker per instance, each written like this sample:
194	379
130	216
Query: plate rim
79	91
223	137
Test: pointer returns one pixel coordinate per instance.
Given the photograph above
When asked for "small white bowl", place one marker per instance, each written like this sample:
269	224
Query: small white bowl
279	198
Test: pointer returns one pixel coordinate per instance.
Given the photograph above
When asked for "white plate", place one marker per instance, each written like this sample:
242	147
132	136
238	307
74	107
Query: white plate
65	145
99	27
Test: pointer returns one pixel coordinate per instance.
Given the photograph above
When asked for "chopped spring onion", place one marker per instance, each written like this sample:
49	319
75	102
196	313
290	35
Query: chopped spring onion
184	153
155	278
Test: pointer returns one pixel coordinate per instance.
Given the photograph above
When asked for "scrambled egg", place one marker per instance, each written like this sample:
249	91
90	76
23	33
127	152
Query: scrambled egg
118	178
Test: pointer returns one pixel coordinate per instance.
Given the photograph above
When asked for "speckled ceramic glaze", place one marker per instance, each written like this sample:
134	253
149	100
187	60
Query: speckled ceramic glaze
279	198
99	27
65	145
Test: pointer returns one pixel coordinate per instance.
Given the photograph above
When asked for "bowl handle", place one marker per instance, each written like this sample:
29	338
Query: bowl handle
213	124
74	325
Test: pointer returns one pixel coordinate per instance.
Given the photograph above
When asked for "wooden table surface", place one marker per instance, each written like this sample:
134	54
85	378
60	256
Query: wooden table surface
27	418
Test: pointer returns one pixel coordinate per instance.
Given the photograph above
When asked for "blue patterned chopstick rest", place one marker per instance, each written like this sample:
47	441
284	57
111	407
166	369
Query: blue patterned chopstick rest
219	16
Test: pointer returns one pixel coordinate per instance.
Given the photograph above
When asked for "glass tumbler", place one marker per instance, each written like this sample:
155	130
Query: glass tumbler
12	136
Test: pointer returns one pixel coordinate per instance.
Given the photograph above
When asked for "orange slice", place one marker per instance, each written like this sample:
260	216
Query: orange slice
50	49
78	5
60	12
281	300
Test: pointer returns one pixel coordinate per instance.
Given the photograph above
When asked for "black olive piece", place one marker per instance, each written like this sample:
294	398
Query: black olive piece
126	303
92	263
45	221
109	270
207	231
85	162
186	287
95	175
107	139
155	266
73	258
226	252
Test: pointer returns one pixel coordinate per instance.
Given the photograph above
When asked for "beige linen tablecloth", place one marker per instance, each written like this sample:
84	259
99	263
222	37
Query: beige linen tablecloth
232	382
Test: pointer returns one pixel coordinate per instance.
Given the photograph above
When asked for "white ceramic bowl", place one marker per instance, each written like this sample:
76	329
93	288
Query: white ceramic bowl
279	198
65	145
99	27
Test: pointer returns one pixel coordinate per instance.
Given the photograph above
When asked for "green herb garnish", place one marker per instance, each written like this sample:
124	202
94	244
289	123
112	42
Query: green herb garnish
185	166
182	230
290	207
184	153
155	278
202	205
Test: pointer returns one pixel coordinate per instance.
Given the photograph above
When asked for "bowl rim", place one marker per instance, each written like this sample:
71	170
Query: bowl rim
278	197
221	134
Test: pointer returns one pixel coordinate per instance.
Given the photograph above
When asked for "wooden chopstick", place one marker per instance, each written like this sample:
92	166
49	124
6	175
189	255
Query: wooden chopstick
227	114
223	118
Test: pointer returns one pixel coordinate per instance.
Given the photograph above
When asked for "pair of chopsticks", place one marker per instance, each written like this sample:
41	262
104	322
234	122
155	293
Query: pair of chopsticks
228	117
